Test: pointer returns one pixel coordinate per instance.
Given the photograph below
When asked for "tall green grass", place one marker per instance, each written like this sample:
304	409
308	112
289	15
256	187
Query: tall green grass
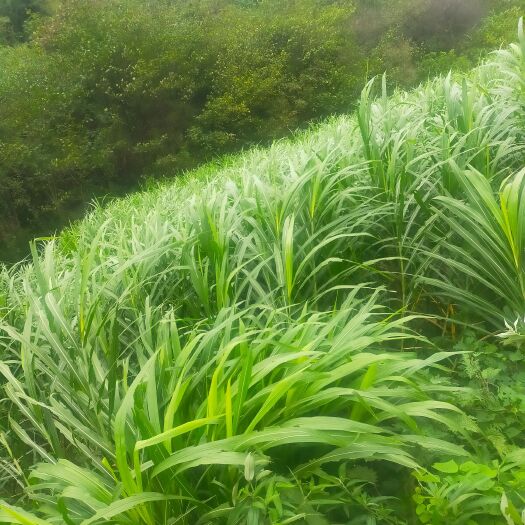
250	344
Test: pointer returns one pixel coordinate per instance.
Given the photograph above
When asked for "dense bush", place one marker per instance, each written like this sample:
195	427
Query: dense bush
15	14
106	91
103	93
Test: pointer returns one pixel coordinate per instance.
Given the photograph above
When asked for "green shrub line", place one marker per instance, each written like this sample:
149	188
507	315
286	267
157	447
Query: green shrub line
96	97
327	331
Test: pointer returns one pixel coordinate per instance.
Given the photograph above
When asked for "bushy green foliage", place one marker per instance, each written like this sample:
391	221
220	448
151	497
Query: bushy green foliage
105	93
282	338
16	13
451	493
108	91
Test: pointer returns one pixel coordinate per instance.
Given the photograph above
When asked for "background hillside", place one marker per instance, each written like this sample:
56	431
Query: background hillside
97	96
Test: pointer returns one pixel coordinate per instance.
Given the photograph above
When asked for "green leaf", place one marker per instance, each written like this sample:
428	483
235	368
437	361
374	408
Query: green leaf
449	467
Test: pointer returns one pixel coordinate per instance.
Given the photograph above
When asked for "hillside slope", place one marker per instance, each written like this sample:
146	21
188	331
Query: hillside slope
99	96
282	338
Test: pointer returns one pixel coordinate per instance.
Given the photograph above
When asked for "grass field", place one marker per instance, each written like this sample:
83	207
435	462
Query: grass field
328	331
